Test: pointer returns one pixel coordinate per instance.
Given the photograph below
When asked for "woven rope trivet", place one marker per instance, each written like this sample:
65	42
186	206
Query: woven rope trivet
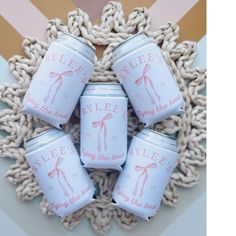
190	128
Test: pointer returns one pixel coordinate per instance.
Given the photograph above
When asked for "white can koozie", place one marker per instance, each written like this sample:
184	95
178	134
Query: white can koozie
139	65
103	114
57	85
141	185
56	165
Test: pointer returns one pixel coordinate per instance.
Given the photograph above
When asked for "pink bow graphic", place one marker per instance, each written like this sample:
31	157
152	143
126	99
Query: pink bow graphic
59	173
144	175
58	81
147	80
103	127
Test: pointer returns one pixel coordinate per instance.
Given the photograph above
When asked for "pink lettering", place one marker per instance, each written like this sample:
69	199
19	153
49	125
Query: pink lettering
150	56
141	59
150	206
61	59
160	107
155	156
116	109
98	107
54	55
174	100
89	107
124	72
43	158
84	111
144	153
131	151
107	106
78	70
133	65
37	163
162	161
71	64
62	150
88	154
137	150
54	153
136	203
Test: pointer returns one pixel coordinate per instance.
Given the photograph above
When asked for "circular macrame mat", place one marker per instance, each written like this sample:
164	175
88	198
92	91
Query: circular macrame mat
190	128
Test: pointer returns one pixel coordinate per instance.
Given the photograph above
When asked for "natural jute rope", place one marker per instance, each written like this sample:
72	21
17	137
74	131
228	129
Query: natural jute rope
190	128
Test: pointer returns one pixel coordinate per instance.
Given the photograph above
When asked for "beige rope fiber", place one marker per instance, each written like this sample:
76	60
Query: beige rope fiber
190	128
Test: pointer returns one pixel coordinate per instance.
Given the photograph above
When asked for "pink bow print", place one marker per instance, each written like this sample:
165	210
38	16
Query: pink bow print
58	81
144	175
102	127
59	173
147	80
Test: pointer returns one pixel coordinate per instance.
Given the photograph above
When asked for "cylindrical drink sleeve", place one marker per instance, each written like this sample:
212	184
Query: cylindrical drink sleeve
146	78
58	170
57	85
103	131
141	185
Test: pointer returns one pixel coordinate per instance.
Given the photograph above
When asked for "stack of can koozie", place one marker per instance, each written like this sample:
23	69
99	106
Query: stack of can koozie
52	96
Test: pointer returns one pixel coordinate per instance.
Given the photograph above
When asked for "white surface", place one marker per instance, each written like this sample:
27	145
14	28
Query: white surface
9	228
194	219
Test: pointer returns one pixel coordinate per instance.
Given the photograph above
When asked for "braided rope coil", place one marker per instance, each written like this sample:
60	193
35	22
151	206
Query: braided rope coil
190	128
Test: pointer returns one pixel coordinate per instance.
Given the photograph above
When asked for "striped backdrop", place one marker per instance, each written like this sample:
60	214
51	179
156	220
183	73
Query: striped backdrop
20	18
